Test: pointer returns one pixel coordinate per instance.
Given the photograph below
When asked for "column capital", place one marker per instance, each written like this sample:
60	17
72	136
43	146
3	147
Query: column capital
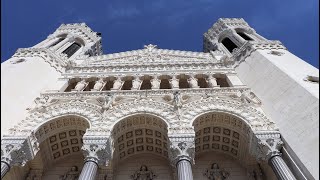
97	149
268	145
181	148
16	150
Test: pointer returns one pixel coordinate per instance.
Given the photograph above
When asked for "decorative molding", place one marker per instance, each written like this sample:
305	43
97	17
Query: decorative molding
181	148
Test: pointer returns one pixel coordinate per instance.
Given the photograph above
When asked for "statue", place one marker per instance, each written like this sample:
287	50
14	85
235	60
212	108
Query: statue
155	82
174	82
212	82
81	85
72	174
117	84
136	83
98	85
193	82
215	173
143	174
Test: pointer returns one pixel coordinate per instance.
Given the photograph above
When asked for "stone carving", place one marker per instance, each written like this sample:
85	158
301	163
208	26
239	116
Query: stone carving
249	97
276	53
81	85
143	174
72	174
16	150
34	174
174	82
136	83
268	144
97	149
215	173
193	82
181	147
117	84
155	82
99	85
212	82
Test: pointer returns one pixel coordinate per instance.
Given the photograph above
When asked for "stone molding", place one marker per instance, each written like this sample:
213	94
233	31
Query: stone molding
58	61
97	149
182	147
239	55
16	151
266	145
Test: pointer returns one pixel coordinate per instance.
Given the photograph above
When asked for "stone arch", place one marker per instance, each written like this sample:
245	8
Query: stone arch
142	106
137	134
250	115
42	114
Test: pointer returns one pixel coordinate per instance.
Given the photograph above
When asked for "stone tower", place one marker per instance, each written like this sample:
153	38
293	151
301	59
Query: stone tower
245	108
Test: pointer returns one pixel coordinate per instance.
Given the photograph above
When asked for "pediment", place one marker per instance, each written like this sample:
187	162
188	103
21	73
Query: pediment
151	54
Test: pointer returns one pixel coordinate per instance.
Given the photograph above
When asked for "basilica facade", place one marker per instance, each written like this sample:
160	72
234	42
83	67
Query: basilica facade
244	108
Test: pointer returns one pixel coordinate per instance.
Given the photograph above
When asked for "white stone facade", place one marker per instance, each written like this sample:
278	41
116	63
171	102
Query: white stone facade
245	108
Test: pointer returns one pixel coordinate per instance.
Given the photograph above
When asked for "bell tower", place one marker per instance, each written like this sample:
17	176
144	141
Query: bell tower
287	86
36	69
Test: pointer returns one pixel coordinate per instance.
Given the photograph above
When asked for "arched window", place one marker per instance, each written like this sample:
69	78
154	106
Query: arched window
244	36
229	44
57	42
74	47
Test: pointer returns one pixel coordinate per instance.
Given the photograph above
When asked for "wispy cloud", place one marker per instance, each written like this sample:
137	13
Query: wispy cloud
120	12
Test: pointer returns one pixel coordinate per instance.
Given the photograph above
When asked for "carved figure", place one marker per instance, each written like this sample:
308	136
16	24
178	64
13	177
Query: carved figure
136	83
98	85
174	82
143	174
81	85
155	82
193	82
215	173
72	174
212	82
117	84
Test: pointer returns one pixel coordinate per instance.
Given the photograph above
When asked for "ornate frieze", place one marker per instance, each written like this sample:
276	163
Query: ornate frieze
181	148
57	60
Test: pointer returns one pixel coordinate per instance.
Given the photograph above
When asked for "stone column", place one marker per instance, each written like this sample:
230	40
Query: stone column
280	168
238	37
268	149
69	38
184	170
97	153
4	168
89	170
182	154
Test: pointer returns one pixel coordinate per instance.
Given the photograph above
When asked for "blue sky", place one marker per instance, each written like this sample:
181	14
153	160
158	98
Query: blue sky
180	24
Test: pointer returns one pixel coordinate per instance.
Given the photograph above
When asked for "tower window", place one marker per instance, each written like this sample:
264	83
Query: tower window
57	42
244	36
72	49
229	44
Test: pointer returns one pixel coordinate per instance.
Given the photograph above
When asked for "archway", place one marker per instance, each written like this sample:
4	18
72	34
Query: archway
222	142
140	140
60	142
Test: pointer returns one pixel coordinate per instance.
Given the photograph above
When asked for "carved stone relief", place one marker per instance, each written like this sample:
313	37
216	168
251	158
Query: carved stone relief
215	173
143	174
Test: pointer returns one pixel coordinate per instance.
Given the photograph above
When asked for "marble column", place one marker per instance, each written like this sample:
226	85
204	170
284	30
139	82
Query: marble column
4	169
60	44
184	170
280	168
89	170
